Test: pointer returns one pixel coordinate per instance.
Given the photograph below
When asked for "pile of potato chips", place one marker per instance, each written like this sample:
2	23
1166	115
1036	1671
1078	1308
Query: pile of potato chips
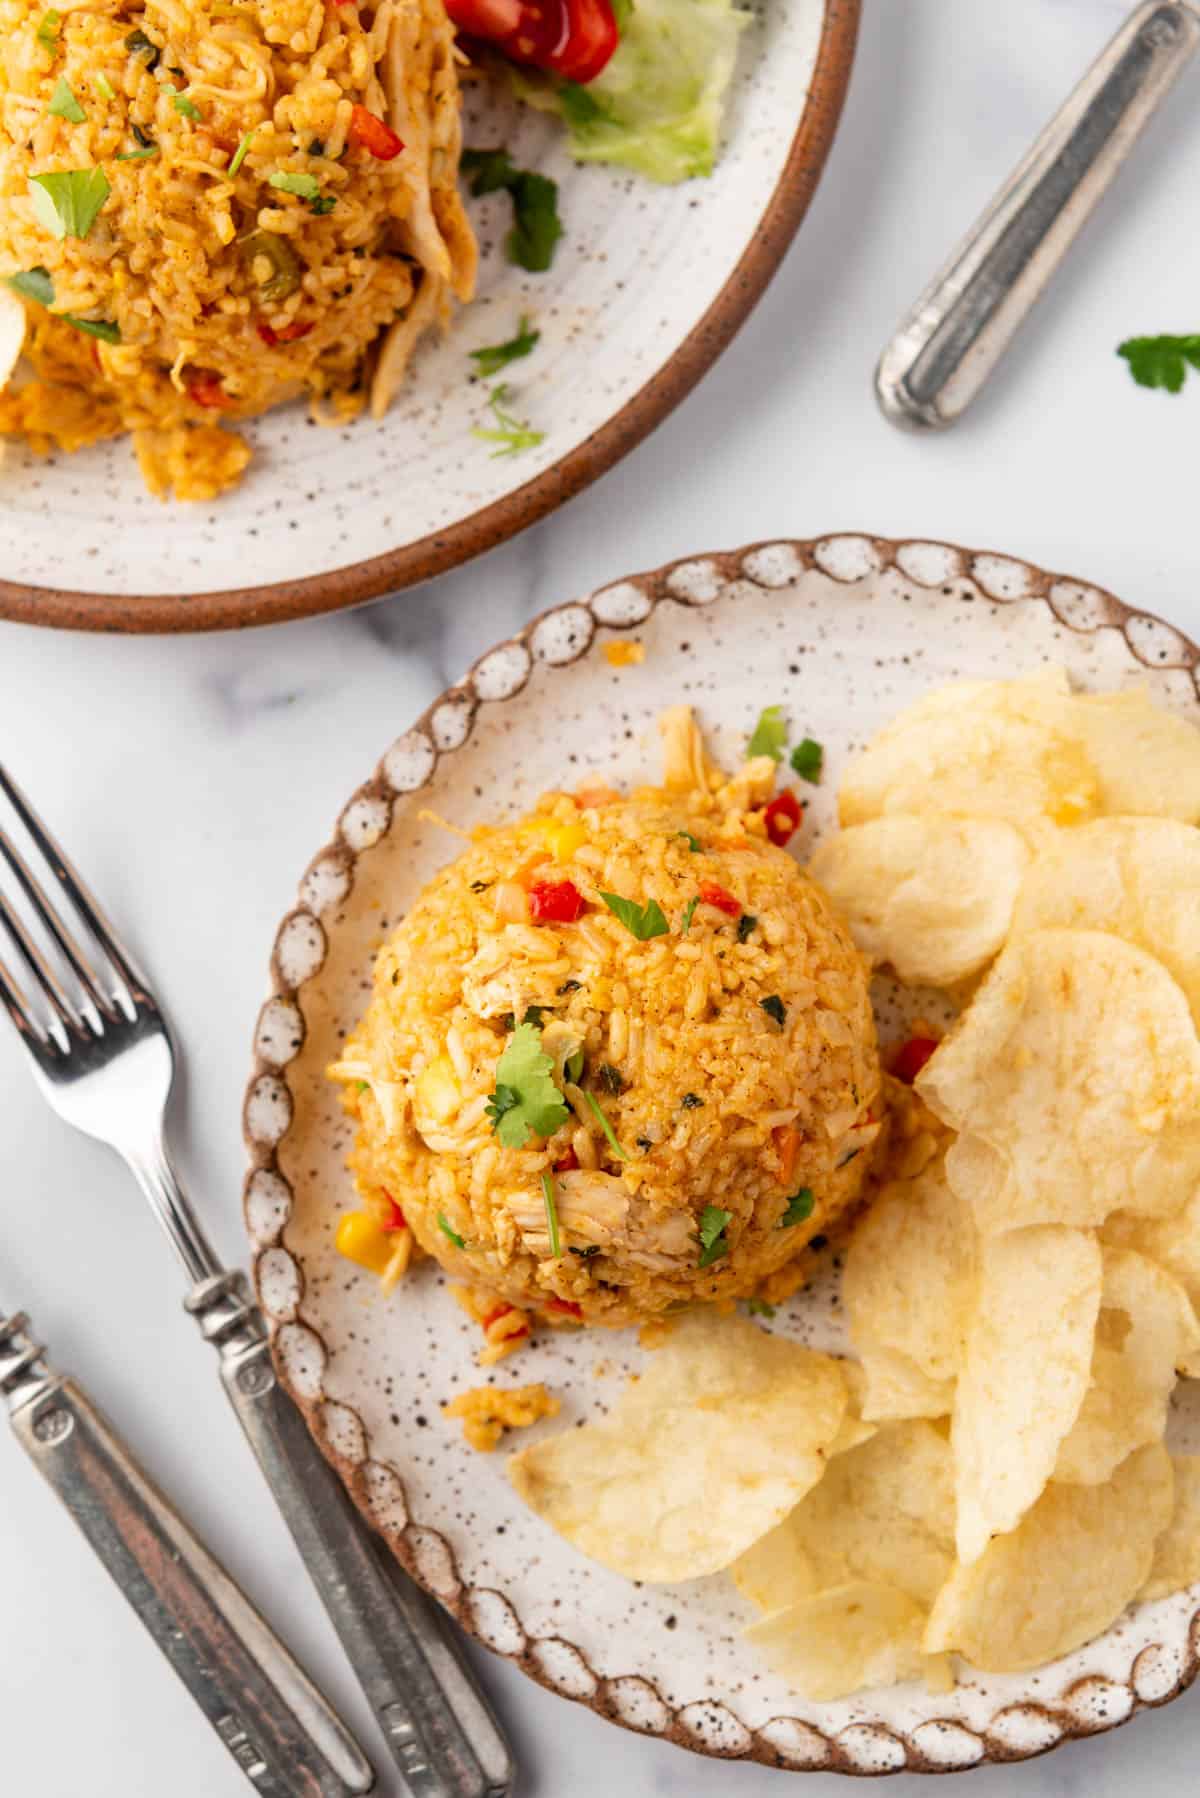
990	1478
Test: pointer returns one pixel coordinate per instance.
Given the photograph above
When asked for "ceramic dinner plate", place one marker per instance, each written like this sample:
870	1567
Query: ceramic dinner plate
842	632
647	287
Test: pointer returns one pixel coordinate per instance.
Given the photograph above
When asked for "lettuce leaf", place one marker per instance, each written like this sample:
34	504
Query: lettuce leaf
657	106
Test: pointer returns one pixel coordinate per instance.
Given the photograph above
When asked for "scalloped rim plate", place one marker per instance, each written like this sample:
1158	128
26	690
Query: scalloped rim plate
861	625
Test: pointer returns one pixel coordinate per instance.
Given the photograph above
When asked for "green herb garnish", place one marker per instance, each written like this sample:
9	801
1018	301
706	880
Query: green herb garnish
1161	361
692	842
689	912
102	328
775	1008
67	203
535	1015
579	106
746	924
511	435
536	224
641	921
570	986
137	155
691	1101
770	734
104	87
551	1215
799	1207
607	1128
362	1086
807	760
307	187
64	105
322	204
573	1067
239	155
759	1308
490	360
143	137
444	1227
713	1241
526	1101
138	44
612	1080
48	30
187	107
34	284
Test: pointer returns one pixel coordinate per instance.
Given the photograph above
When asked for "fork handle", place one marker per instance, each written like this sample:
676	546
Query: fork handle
273	1721
957	331
437	1722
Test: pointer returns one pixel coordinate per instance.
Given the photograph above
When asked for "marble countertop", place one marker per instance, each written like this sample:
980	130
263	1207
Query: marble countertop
193	779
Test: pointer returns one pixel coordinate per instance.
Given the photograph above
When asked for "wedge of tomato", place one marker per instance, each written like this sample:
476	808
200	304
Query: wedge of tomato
570	38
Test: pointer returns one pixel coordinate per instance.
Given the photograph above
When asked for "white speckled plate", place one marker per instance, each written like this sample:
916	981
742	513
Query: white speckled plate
648	286
843	631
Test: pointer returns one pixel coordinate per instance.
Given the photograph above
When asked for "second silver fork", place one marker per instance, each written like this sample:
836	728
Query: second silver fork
102	1054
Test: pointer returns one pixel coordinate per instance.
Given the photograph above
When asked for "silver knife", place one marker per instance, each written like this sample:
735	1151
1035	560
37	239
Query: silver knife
271	1718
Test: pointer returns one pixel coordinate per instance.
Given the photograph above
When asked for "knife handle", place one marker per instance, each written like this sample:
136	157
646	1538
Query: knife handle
951	340
272	1720
438	1724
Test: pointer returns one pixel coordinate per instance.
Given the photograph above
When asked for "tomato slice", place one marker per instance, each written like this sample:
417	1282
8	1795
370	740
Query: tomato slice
571	38
555	902
712	894
911	1058
204	389
368	132
783	816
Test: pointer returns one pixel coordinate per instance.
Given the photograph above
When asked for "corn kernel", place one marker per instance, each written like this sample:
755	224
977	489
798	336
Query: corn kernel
562	840
438	1090
361	1240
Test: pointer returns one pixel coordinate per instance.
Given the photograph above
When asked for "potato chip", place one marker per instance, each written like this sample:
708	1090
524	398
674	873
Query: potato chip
852	1430
1177	1551
1026	1369
1079	1063
1136	877
1147	759
1145	1330
977	749
895	1388
909	1280
883	1512
836	1642
932	897
1173	1243
724	1431
1063	1575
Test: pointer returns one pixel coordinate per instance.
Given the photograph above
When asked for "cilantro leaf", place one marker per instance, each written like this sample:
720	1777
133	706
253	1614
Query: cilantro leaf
137	155
64	105
306	186
526	1101
770	734
799	1207
612	1079
444	1227
759	1308
493	357
239	155
746	923
34	284
104	87
551	1215
138	44
536	224
808	758
511	435
692	842
322	204
641	921
488	171
48	30
775	1008
95	327
580	107
182	104
1161	361
689	912
67	202
713	1241
607	1128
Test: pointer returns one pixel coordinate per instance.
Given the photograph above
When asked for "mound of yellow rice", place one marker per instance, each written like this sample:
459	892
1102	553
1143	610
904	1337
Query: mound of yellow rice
719	1081
203	293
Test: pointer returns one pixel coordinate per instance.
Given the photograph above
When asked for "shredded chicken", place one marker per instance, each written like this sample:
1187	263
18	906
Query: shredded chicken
596	1211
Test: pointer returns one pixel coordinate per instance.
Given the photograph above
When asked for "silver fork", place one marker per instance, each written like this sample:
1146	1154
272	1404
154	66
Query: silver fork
102	1054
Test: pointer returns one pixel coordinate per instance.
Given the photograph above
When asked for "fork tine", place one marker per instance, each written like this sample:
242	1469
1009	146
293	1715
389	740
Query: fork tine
13	1001
37	965
54	926
76	891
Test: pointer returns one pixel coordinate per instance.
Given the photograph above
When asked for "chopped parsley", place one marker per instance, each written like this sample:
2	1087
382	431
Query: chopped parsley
746	923
137	155
48	30
1161	361
143	137
807	759
759	1308
641	921
363	1086
692	842
612	1080
102	328
775	1008
551	1215
64	105
239	155
536	224
509	433
495	356
306	187
607	1128
770	734
67	202
182	104
34	284
713	1241
689	912
138	44
445	1228
573	1067
526	1101
691	1101
322	204
799	1207
535	1015
104	88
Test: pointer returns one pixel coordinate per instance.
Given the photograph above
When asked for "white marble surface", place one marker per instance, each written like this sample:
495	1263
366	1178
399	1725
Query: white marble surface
194	777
